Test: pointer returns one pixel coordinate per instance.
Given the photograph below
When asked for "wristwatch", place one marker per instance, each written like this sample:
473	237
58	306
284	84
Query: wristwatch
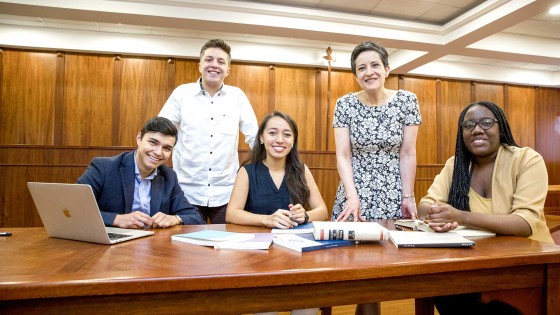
180	220
306	218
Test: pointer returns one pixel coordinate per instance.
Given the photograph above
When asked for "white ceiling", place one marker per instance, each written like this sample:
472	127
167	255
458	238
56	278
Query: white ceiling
514	41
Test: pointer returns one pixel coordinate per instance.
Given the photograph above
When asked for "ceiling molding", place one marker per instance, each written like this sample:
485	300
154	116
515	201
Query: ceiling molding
296	34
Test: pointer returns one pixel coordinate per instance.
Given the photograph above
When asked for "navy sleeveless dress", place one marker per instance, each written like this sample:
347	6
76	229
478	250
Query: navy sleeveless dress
264	197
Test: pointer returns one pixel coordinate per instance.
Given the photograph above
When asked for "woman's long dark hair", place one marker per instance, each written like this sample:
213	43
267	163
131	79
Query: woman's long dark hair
462	171
295	169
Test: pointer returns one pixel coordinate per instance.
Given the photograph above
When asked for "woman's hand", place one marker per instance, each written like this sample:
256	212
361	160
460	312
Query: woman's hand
408	208
442	217
298	213
352	207
281	219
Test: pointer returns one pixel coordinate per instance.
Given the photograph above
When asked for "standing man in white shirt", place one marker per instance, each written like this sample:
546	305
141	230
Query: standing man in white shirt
209	116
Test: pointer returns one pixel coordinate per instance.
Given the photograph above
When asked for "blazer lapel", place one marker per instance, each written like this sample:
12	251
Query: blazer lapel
156	193
127	178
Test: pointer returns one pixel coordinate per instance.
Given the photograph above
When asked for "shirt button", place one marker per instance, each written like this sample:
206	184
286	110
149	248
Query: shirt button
209	169
208	184
210	152
211	118
211	136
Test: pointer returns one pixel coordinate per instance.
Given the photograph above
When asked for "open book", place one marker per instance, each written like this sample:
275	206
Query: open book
355	231
419	225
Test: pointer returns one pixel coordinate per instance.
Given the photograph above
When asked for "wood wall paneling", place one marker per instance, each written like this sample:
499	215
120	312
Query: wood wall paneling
392	82
28	97
59	99
186	71
548	138
254	81
455	95
426	141
295	96
548	131
424	177
323	168
103	101
88	94
1	88
520	113
489	92
342	83
143	93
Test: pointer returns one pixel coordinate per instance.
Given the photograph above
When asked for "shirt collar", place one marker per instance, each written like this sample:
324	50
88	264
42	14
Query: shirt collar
137	171
221	91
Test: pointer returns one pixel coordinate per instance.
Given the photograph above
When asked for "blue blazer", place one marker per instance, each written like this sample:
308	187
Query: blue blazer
112	181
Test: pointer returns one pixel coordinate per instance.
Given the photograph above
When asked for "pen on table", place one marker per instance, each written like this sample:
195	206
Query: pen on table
5	233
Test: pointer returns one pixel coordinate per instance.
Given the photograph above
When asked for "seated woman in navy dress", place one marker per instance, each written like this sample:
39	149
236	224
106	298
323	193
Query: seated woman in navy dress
275	189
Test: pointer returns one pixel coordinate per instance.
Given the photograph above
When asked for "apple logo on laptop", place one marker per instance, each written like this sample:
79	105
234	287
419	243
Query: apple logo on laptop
66	213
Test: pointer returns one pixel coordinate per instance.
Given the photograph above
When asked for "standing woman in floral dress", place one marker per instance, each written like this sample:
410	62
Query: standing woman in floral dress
375	133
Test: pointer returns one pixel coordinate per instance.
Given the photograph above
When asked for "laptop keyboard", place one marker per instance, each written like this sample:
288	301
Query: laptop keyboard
115	236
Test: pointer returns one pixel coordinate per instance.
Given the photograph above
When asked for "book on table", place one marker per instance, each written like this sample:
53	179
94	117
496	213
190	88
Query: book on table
305	242
211	237
419	225
422	239
303	228
354	231
258	241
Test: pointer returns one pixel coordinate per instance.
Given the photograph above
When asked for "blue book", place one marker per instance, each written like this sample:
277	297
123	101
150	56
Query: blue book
303	228
306	242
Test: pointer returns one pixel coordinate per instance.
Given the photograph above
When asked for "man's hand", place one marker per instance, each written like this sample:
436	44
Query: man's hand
162	220
133	220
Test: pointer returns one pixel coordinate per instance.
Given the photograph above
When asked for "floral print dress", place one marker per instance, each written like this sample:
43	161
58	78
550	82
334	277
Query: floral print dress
376	134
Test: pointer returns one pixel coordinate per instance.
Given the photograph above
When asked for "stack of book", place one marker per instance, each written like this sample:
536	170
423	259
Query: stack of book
327	234
223	239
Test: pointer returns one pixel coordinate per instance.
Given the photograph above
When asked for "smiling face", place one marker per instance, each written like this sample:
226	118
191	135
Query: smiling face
277	138
154	149
481	143
213	67
370	71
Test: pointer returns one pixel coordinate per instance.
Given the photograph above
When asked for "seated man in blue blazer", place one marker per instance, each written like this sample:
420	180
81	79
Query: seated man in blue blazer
136	189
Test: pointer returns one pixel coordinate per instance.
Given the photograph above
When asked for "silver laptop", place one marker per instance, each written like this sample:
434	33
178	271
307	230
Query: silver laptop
70	211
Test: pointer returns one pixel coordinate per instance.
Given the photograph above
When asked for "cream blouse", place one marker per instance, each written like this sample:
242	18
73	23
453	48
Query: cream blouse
519	186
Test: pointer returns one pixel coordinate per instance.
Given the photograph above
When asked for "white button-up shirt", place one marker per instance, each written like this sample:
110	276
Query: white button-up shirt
205	157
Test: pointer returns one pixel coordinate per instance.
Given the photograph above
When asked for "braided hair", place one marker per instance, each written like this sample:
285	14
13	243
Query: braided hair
295	169
462	171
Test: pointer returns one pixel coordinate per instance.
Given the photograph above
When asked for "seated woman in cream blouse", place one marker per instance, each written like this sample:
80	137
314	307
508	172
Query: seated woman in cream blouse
491	184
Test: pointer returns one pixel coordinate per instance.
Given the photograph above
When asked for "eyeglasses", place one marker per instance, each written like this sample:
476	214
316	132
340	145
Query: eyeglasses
484	123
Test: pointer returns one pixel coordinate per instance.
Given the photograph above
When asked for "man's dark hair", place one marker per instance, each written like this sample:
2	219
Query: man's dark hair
161	125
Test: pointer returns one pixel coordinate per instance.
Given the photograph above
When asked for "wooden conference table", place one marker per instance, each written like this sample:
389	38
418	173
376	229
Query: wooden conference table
152	275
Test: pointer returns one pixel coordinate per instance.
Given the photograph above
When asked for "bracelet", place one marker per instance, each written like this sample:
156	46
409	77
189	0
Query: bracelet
306	218
408	196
